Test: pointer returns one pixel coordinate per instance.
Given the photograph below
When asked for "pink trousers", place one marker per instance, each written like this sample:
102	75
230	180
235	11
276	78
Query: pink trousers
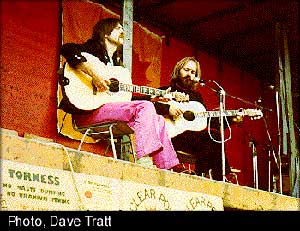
150	130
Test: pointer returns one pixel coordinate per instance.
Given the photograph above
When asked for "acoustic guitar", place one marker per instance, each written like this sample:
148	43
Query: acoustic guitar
82	94
195	117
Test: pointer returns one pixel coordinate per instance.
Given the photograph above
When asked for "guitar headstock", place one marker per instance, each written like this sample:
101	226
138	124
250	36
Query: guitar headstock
180	96
253	113
177	96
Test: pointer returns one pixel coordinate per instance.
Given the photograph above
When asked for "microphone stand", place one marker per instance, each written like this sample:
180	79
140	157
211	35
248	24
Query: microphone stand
255	166
222	94
248	102
271	149
277	161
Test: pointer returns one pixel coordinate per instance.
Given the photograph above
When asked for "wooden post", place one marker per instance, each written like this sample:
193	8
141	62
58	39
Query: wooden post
286	103
128	28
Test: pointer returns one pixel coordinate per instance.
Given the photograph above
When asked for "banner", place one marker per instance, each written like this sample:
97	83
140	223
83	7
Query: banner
28	187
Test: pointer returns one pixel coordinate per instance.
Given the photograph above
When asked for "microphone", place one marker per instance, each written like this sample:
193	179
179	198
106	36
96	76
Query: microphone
258	104
271	87
259	100
200	81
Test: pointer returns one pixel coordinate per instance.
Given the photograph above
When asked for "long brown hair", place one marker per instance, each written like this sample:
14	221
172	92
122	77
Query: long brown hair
104	27
180	64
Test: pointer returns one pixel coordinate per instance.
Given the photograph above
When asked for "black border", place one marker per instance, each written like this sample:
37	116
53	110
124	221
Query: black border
155	220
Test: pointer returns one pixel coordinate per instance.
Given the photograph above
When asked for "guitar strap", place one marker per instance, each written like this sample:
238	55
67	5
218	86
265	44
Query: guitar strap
62	80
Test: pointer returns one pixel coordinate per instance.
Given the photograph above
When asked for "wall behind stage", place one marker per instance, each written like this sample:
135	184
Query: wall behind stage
30	36
30	42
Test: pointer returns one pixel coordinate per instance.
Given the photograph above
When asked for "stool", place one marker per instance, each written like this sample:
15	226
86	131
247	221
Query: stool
187	158
232	177
110	131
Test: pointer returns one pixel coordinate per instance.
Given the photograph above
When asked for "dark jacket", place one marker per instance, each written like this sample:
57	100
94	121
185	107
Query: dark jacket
72	53
163	109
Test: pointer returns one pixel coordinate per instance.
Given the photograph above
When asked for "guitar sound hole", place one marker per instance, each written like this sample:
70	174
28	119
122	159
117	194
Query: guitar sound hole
189	115
114	85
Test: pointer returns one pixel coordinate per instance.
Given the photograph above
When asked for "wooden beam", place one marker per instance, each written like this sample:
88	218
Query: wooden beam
294	152
128	30
220	14
216	15
153	5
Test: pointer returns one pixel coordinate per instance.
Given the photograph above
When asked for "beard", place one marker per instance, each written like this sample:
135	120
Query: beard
118	42
186	83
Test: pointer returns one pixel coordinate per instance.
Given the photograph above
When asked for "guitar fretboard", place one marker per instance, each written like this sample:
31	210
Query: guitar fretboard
217	113
142	89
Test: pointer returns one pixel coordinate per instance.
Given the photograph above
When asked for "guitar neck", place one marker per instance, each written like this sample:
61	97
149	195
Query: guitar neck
143	90
217	113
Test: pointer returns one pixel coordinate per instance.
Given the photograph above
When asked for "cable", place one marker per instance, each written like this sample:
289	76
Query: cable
62	124
229	128
81	206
